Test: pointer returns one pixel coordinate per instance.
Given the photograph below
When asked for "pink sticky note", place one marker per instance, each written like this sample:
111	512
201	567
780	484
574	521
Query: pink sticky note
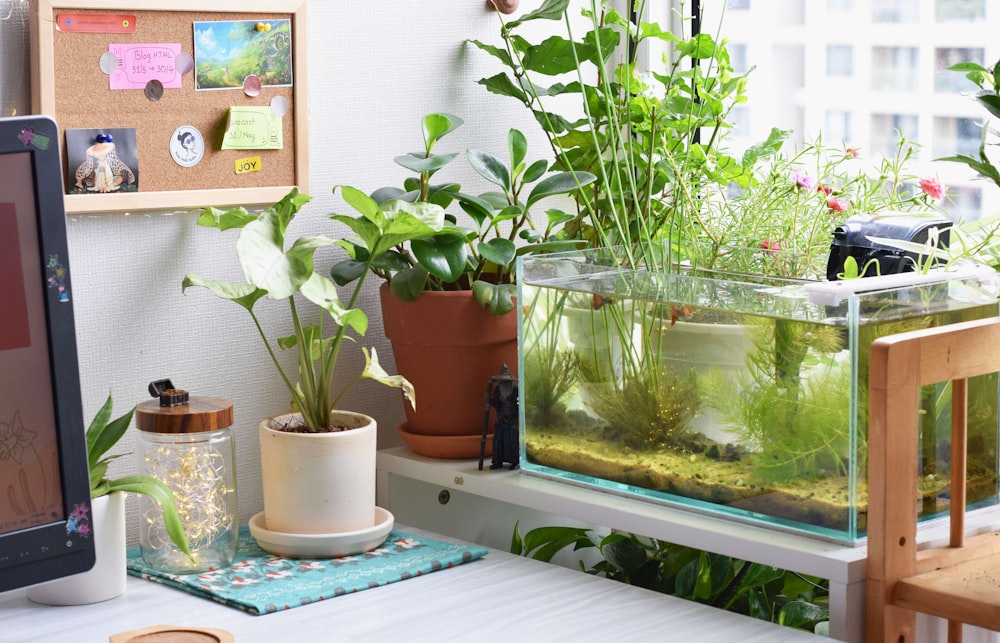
140	63
14	330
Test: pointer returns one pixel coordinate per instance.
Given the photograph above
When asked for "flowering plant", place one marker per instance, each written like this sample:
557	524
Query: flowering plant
795	199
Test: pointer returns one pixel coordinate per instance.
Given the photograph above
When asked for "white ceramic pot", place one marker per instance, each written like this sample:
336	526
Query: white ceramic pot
319	483
106	579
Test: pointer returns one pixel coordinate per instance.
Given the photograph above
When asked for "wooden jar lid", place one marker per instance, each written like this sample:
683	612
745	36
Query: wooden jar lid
200	414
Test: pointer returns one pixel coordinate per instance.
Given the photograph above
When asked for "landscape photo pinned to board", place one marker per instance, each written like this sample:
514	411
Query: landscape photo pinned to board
226	52
102	160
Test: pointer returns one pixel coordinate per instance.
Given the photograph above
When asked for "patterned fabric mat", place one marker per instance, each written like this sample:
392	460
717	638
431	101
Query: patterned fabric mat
261	583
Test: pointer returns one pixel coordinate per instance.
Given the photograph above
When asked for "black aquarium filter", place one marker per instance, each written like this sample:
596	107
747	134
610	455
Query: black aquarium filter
854	237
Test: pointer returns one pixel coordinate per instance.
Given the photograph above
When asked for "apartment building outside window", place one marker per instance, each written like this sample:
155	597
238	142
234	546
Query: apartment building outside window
862	73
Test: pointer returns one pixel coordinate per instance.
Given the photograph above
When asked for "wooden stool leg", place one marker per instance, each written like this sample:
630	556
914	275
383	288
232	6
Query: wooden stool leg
954	632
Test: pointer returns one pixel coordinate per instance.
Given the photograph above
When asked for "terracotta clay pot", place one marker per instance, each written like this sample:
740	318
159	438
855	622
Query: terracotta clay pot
448	347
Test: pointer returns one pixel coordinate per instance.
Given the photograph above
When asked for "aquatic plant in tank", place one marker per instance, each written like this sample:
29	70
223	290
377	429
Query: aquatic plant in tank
731	393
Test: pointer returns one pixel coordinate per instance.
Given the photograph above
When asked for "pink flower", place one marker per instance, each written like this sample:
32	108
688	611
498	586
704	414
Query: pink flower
770	246
852	152
825	189
932	188
803	180
838	203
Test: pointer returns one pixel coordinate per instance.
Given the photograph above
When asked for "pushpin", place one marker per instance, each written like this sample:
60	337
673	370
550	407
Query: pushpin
263	26
104	138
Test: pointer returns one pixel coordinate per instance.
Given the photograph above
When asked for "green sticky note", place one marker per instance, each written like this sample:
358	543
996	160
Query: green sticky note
252	128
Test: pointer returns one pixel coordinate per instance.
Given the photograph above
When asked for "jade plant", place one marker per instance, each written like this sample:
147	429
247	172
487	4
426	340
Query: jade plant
278	273
102	435
456	256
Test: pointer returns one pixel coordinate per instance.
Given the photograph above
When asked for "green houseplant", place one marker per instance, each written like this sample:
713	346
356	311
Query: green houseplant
448	298
107	578
318	463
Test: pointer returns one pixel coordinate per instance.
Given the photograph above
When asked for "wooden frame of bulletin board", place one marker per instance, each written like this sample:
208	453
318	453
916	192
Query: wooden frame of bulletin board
70	85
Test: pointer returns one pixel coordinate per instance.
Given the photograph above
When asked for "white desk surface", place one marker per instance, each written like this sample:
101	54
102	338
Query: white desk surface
501	597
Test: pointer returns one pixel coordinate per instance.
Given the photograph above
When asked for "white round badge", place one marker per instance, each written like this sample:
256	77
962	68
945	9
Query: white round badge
187	146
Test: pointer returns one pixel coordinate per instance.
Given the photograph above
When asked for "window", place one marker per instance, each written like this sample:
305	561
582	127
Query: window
895	68
956	136
954	81
895	10
887	128
838	127
861	71
960	10
839	60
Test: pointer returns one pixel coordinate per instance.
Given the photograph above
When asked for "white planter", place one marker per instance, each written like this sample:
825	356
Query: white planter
319	483
106	579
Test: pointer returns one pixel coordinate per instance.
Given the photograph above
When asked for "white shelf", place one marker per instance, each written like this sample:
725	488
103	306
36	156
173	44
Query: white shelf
843	565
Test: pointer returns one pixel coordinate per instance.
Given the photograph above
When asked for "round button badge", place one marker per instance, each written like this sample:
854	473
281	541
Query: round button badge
187	146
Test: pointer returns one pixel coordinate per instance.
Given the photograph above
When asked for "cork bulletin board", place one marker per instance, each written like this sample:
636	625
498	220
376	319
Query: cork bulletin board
177	140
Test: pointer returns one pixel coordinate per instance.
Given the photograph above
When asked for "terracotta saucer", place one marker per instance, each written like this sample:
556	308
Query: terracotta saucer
451	447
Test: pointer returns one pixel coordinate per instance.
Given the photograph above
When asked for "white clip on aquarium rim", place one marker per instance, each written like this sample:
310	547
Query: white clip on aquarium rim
832	293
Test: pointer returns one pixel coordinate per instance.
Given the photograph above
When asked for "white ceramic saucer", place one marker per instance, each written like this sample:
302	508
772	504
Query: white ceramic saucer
322	545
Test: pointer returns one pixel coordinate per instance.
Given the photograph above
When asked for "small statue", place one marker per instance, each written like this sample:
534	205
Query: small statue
501	394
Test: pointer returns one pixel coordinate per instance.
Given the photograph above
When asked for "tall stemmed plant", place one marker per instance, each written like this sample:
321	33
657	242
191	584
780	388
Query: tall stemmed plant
655	140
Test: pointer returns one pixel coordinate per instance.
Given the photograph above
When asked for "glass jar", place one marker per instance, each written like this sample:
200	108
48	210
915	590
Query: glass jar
189	446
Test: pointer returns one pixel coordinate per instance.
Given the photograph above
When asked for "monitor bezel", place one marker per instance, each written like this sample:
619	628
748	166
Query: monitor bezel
53	550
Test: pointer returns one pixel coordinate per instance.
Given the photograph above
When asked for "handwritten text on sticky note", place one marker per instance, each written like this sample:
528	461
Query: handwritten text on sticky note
252	128
140	63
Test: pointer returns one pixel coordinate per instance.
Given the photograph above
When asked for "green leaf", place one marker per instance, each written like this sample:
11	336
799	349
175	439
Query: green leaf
498	299
625	554
759	575
225	220
801	613
97	444
498	250
502	84
989	100
364	204
321	291
517	146
265	262
535	171
559	183
373	370
444	256
245	295
497	52
550	10
408	284
429	164
346	271
436	126
490	168
162	494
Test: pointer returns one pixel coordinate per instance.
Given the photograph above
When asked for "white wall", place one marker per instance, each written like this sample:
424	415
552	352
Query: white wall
375	68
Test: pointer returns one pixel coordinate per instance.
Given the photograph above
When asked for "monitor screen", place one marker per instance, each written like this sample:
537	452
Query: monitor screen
44	478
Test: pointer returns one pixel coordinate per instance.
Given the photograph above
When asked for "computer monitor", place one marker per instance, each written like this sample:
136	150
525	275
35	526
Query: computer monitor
44	478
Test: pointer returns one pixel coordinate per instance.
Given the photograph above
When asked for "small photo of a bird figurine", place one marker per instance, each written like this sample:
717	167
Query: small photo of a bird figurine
102	161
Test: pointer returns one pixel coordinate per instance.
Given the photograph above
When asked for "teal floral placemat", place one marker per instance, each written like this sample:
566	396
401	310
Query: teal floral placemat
261	583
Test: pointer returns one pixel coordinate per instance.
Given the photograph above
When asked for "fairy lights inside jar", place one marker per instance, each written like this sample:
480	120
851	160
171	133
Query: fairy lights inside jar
186	441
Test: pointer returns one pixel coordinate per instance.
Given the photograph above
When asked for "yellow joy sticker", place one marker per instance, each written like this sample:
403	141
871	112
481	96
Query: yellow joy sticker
247	165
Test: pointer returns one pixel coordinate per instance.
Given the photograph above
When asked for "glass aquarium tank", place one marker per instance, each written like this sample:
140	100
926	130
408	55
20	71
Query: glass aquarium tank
734	394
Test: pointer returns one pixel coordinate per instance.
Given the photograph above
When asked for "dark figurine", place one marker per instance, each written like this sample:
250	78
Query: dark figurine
501	394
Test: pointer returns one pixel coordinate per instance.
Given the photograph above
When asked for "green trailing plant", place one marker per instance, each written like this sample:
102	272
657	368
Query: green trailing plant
278	273
480	258
103	434
761	591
